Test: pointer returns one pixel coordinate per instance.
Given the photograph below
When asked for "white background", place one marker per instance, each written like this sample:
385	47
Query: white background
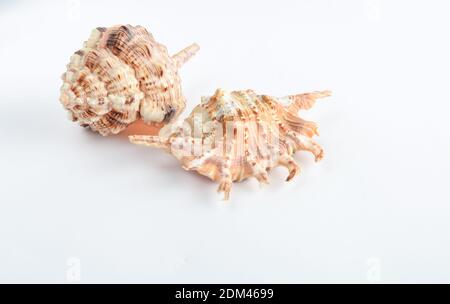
76	207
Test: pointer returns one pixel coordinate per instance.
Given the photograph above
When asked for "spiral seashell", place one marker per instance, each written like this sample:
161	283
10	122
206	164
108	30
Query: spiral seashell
121	75
232	136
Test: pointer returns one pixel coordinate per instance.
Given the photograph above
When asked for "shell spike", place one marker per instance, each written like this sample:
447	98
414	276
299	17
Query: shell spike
150	141
184	55
304	101
289	162
225	188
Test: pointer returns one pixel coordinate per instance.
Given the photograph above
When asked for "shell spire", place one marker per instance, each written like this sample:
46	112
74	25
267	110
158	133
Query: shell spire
233	136
122	75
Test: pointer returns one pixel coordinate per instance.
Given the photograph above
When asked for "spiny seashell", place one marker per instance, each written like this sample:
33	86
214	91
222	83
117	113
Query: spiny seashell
121	75
232	136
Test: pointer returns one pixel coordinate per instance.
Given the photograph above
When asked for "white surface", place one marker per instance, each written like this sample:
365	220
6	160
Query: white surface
376	209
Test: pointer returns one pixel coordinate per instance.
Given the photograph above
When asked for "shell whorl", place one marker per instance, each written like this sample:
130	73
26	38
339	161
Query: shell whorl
120	75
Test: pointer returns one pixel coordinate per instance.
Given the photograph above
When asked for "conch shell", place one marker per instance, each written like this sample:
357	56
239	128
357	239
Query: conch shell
121	75
232	136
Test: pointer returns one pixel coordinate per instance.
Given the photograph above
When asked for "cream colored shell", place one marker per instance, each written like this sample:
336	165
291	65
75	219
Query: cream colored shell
121	75
232	136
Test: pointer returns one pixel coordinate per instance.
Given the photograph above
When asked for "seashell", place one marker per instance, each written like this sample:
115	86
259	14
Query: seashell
121	75
232	136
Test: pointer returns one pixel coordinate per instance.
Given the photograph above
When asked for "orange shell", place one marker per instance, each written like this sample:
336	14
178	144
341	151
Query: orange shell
232	136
